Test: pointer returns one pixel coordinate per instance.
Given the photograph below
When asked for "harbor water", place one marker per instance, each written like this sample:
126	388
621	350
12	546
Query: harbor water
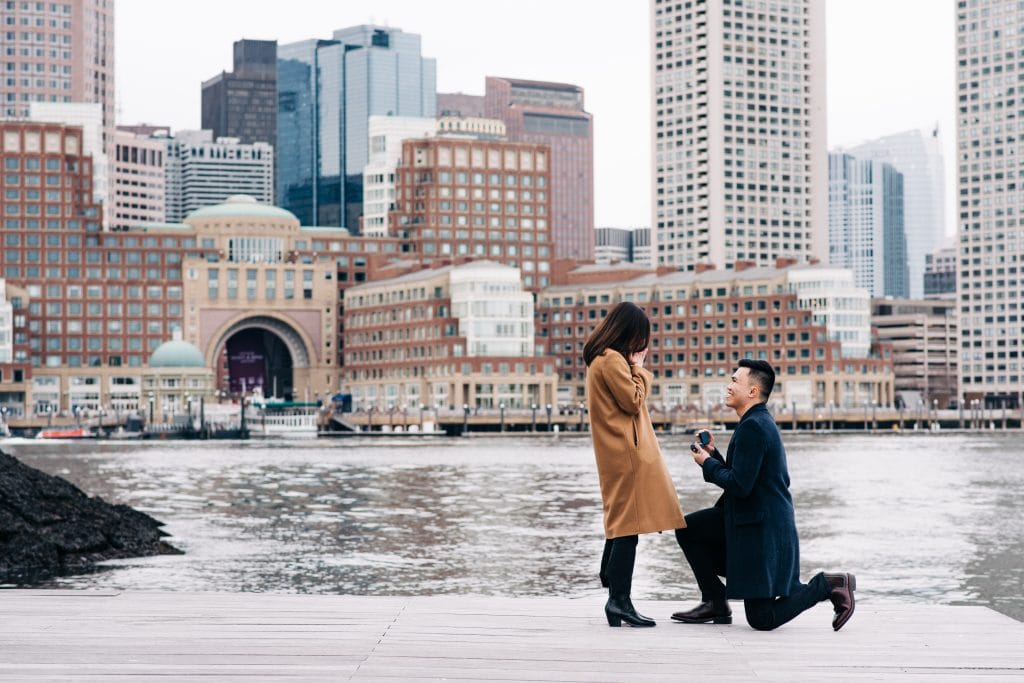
925	518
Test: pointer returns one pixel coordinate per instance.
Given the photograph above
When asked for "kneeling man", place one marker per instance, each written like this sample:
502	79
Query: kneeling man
750	536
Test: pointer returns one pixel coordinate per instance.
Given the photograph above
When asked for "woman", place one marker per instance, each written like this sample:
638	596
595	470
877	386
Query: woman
636	489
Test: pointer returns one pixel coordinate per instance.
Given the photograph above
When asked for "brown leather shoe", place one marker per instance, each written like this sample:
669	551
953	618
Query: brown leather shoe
706	613
843	586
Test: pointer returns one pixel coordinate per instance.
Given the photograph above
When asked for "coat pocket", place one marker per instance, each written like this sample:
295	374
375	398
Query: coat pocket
748	518
636	434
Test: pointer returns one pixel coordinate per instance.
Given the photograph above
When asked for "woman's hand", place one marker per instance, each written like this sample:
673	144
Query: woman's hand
638	358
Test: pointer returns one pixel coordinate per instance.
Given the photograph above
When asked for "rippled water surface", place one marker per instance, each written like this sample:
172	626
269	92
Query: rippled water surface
927	518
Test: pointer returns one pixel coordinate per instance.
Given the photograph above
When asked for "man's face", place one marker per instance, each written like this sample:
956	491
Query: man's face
738	391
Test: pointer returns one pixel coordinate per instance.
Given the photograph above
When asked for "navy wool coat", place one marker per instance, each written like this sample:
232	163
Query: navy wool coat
762	547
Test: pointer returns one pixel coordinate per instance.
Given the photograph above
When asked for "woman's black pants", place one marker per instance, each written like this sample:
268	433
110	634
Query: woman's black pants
617	565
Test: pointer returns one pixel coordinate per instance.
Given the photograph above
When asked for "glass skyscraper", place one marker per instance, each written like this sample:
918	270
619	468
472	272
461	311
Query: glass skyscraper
327	90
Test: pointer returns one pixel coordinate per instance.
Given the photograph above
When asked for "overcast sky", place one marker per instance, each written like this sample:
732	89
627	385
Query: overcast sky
890	65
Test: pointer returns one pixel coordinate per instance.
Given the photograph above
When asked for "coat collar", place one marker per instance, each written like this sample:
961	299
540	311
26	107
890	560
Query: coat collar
754	409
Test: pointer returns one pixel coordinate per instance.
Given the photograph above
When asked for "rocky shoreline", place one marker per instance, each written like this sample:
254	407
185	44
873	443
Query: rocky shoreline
49	527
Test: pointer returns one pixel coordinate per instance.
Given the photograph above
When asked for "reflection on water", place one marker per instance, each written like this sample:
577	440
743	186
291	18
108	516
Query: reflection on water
918	518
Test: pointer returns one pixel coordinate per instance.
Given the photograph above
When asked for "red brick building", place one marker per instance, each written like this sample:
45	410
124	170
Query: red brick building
461	200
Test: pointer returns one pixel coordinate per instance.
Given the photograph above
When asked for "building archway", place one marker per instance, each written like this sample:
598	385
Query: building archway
262	354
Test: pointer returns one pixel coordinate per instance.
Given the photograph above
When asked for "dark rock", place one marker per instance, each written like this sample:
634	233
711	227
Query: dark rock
49	527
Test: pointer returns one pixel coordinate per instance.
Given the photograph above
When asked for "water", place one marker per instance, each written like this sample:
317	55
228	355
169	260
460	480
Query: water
918	518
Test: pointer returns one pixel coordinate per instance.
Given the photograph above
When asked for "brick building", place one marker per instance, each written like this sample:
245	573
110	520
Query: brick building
476	199
702	323
445	337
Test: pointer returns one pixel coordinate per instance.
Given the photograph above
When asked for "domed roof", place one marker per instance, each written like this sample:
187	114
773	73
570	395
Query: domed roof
241	206
177	354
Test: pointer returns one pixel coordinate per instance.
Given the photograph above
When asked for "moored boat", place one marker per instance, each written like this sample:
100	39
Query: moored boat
66	433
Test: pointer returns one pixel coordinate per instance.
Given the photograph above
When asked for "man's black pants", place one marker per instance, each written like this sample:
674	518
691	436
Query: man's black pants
703	543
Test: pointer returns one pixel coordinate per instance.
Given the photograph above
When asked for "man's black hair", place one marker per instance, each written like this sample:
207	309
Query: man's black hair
762	374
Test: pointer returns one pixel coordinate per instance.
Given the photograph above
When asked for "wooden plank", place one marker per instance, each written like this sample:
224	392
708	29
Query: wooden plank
244	636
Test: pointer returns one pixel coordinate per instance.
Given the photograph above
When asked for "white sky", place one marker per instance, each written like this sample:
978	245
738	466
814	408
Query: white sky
890	65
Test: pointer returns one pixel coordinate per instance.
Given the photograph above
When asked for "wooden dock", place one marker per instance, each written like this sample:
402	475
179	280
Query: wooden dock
84	635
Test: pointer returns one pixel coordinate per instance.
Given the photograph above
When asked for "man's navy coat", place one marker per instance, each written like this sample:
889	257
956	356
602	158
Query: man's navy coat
762	547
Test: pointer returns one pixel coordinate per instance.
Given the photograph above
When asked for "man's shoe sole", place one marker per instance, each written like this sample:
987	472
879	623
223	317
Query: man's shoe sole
715	620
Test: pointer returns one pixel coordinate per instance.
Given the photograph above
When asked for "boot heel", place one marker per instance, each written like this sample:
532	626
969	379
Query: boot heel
853	582
722	620
613	619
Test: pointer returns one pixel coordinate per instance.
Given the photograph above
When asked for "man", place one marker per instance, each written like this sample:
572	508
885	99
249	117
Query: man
750	535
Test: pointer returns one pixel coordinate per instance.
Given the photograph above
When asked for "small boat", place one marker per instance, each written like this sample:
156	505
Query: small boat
298	424
66	433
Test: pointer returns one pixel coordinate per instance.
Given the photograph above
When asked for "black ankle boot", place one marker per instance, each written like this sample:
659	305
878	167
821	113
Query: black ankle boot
619	608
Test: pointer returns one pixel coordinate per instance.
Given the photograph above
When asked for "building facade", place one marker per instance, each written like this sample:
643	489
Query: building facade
918	158
865	224
552	113
327	91
445	337
460	104
88	116
923	335
387	133
613	244
201	171
940	273
138	179
739	153
459	199
242	103
258	294
59	52
989	224
702	323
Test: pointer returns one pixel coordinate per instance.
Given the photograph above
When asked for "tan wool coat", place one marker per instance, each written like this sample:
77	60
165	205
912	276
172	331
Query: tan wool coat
636	488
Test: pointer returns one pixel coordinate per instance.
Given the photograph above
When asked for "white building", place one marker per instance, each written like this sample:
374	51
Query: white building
203	172
613	244
386	136
837	303
88	115
865	223
739	151
918	157
495	314
990	226
138	179
6	327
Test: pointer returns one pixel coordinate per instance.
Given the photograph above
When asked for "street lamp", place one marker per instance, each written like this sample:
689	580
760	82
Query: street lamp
548	408
501	409
151	404
533	409
581	407
935	413
465	418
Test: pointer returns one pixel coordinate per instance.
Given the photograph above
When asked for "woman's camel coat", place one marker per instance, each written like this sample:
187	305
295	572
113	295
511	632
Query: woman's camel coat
638	493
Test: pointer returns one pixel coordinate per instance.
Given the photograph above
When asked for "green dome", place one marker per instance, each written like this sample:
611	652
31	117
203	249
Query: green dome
241	206
177	354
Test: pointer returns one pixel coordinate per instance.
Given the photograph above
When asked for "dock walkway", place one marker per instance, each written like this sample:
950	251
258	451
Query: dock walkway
90	635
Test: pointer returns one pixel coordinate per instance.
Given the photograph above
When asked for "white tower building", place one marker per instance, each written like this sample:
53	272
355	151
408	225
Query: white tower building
918	157
990	224
739	154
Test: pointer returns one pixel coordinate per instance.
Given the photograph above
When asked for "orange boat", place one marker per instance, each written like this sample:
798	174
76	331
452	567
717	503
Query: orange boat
66	433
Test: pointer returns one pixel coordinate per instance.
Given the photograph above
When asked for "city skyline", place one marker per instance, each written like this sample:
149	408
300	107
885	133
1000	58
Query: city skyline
895	86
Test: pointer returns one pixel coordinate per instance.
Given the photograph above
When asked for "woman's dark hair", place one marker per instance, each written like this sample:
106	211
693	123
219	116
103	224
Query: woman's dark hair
625	329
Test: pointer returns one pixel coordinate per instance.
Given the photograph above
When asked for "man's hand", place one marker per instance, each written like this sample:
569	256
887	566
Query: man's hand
699	454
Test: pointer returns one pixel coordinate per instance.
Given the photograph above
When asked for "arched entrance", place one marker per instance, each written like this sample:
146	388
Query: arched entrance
260	354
